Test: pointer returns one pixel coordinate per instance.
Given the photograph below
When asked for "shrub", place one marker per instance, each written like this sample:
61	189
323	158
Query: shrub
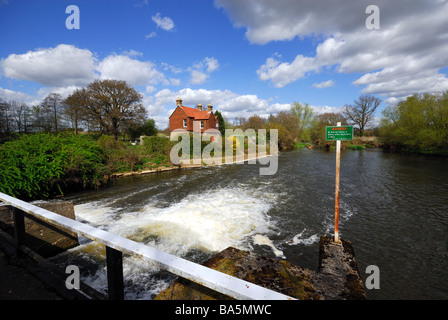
43	165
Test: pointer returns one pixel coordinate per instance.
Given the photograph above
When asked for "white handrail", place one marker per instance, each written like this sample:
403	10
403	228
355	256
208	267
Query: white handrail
215	280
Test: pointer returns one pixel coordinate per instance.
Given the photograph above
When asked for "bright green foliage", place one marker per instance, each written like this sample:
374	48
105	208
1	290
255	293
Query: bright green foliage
418	124
43	165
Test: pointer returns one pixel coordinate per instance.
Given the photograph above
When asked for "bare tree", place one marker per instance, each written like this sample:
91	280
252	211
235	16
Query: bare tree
53	105
75	107
362	111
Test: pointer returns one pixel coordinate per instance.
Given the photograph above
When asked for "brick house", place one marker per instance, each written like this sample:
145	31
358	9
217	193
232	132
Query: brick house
188	118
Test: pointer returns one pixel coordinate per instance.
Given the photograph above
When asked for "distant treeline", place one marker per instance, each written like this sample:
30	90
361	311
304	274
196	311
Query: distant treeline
418	124
105	106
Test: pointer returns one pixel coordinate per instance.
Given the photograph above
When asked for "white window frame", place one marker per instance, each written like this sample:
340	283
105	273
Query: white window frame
202	125
185	123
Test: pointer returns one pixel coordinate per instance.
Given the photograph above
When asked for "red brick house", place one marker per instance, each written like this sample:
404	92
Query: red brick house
189	118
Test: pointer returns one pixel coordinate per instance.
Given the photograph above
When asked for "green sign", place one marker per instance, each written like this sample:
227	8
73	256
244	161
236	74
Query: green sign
341	133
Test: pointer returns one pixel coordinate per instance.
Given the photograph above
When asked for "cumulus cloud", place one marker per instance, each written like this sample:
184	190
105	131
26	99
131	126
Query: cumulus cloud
230	104
59	66
164	23
133	71
403	57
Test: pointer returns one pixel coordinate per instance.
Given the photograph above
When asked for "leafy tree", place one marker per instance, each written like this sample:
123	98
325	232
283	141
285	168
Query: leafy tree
419	123
304	114
146	128
323	120
255	122
112	103
362	111
222	123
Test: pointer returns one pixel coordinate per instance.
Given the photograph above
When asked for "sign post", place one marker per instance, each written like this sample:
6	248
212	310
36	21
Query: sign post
338	134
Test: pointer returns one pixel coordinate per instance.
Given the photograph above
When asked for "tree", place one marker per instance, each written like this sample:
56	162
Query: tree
419	123
322	121
146	128
222	123
304	114
52	106
75	107
112	103
288	128
255	122
362	111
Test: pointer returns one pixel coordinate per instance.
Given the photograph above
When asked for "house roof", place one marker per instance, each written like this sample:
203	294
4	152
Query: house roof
196	114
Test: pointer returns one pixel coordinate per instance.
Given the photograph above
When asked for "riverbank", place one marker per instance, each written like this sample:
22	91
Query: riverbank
225	161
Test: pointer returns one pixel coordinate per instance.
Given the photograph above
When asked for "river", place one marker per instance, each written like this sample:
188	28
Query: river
394	209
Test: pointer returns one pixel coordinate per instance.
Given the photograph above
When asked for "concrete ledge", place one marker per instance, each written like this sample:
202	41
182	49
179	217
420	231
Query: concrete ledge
336	279
45	239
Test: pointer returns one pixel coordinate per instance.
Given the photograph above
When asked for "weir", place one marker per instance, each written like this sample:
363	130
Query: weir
249	277
117	245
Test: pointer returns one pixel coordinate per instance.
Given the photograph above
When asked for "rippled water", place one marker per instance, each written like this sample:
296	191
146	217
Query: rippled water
394	209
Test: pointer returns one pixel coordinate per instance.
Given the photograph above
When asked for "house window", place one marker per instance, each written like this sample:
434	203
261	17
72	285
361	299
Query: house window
217	125
202	124
185	123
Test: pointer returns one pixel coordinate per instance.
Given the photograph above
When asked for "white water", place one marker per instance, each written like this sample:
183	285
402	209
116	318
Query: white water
207	222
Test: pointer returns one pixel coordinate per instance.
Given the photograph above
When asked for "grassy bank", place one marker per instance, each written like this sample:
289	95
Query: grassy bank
358	143
44	165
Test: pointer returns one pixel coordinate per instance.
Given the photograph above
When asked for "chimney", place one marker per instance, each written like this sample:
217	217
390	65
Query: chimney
210	107
179	102
199	107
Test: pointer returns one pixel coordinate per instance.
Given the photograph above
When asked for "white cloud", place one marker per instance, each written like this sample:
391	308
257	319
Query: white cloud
164	23
59	66
324	84
10	95
198	77
151	35
201	71
133	71
403	57
282	74
230	104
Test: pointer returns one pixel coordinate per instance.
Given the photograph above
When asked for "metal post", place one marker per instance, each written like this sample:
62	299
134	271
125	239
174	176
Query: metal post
336	206
114	259
19	229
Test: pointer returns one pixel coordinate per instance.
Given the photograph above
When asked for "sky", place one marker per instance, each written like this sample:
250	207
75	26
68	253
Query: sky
245	57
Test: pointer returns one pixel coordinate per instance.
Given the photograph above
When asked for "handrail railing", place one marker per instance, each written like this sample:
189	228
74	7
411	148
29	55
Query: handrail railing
117	245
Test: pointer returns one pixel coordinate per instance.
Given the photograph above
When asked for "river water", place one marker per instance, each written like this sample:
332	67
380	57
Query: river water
394	209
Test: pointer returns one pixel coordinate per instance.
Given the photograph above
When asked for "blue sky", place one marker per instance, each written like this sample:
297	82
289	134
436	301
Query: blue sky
245	57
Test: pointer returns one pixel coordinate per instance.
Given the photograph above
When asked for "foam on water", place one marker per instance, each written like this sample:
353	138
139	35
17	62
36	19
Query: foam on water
211	221
208	222
302	239
265	241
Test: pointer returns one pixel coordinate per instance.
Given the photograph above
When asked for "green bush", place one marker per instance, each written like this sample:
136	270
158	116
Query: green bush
117	156
357	147
156	145
43	165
